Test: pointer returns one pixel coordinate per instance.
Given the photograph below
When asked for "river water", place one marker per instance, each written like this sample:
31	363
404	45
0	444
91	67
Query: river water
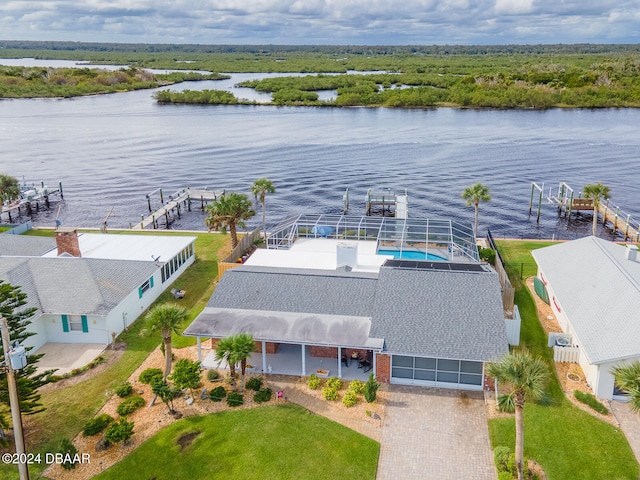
111	150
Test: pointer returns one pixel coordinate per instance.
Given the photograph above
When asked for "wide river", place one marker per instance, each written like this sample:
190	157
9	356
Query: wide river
111	150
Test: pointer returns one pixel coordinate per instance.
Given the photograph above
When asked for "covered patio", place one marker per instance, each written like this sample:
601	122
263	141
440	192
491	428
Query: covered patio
288	361
292	343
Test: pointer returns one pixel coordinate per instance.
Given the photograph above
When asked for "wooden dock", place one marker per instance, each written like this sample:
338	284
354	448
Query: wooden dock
567	203
178	202
31	199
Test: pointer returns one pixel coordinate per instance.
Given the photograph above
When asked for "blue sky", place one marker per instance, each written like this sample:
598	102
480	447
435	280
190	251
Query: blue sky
357	22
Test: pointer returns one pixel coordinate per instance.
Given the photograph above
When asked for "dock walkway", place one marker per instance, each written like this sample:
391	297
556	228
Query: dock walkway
181	199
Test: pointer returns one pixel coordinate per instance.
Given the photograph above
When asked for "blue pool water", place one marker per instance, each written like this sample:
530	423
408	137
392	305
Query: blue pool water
410	255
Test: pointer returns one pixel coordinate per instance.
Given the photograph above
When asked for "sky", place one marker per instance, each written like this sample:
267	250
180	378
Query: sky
326	22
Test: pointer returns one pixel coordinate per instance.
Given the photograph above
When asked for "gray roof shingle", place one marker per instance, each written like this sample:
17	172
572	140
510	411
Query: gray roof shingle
75	285
418	312
25	246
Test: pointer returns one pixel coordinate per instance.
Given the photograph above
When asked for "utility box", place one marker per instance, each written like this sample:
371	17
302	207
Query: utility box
18	357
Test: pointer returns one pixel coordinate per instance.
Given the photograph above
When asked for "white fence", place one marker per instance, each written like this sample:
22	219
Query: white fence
513	327
566	354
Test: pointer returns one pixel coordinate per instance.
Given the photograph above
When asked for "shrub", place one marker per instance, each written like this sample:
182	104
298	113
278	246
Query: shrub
334	383
213	375
124	390
350	398
356	386
488	255
120	431
67	448
254	383
186	374
314	382
96	425
591	401
217	394
505	476
235	399
149	374
371	389
501	456
330	393
263	395
130	405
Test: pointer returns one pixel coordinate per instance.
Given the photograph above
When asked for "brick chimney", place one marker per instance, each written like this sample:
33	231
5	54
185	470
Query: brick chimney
67	241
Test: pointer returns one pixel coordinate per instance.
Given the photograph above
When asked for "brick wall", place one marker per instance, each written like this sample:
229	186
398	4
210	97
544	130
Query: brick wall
271	347
67	241
383	368
326	352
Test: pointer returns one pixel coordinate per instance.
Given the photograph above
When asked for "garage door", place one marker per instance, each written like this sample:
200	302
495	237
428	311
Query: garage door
436	372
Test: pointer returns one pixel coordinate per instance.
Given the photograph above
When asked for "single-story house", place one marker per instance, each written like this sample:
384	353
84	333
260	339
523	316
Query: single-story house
593	287
425	322
87	288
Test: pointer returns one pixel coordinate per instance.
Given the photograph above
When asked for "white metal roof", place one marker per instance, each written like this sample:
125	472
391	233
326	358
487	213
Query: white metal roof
319	254
599	290
130	247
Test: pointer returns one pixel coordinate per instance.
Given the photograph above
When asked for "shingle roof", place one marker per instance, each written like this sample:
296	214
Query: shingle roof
25	246
75	285
599	291
443	314
418	312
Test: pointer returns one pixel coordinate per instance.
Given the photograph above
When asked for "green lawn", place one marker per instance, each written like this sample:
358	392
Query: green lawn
565	440
283	442
68	409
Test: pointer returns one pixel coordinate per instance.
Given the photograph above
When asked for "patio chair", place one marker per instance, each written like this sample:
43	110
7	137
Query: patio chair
178	293
346	359
367	363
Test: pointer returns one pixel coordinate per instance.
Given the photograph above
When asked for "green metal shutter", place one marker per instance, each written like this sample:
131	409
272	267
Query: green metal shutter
151	282
85	325
139	292
65	323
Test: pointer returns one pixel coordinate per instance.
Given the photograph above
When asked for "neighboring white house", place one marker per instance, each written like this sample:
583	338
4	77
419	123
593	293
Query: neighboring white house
86	288
594	290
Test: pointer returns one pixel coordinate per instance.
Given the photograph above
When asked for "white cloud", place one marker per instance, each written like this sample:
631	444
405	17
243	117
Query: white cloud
323	21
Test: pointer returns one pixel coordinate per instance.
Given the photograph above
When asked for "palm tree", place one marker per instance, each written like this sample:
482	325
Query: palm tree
628	379
244	346
226	350
260	188
474	195
596	191
167	318
9	189
527	376
229	210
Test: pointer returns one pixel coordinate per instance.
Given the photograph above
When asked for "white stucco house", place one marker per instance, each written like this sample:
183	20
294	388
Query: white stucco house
87	288
594	290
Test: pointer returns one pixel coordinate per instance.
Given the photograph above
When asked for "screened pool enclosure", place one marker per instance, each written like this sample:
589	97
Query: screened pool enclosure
417	239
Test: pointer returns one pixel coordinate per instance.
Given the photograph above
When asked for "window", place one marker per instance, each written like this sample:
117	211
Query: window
410	370
75	323
145	286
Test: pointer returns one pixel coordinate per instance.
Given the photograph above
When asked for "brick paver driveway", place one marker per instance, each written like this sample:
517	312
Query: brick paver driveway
433	433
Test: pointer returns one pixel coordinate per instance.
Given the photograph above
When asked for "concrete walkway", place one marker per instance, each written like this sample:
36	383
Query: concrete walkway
432	433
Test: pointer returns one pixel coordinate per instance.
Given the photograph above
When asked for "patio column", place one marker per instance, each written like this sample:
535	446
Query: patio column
304	362
199	349
339	362
375	371
264	356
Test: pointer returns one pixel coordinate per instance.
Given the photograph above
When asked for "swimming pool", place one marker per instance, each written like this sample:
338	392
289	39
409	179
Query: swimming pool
411	255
